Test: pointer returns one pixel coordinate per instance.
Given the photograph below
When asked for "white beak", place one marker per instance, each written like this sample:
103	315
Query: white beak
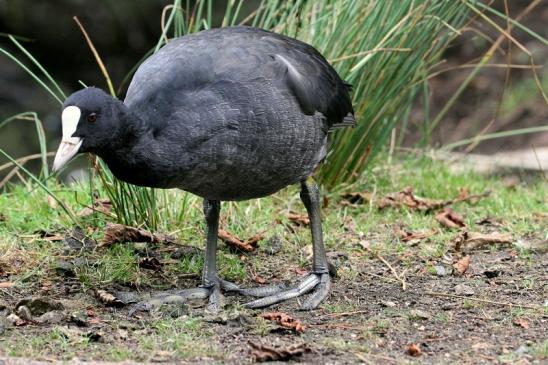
67	149
69	145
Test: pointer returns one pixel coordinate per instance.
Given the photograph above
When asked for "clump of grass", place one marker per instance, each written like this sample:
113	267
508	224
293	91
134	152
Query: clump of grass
385	49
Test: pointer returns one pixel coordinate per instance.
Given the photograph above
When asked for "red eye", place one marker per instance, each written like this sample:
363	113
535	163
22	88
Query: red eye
92	117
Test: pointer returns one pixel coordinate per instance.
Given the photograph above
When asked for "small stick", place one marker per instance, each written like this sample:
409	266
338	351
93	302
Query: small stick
345	314
438	294
97	57
394	272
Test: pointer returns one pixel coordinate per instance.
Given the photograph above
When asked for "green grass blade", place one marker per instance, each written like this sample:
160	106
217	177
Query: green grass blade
37	181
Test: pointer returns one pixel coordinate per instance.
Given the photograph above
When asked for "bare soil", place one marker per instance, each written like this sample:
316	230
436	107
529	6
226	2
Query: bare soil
368	317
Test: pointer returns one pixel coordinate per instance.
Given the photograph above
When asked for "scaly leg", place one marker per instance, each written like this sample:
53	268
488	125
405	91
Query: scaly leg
318	280
211	284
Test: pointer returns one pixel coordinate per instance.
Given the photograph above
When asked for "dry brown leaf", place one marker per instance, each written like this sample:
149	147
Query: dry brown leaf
464	195
248	245
462	265
299	271
298	219
100	205
151	263
450	219
407	236
414	350
356	197
472	240
115	232
108	299
521	322
285	320
52	202
5	284
406	198
261	353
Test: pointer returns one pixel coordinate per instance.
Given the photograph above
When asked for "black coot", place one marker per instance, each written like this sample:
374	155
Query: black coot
228	114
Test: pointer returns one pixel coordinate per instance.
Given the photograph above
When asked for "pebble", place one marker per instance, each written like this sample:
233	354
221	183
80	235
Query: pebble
417	313
388	303
440	270
13	318
462	289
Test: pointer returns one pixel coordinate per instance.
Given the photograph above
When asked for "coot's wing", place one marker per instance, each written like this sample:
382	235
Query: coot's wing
314	83
196	62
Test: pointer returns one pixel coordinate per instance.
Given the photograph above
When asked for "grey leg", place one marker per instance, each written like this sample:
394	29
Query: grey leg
210	278
211	284
319	279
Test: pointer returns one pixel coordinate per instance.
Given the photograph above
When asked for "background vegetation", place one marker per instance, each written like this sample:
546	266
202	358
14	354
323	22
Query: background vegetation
387	50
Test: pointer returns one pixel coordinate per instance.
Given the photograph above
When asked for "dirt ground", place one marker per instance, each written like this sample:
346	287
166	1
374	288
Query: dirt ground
479	317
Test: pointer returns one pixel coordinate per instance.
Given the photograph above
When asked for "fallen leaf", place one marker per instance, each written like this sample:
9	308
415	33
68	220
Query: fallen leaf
100	206
285	320
259	280
6	284
472	240
406	198
450	219
408	236
52	202
115	232
521	322
151	263
357	197
414	350
108	299
298	219
248	245
261	352
299	271
462	265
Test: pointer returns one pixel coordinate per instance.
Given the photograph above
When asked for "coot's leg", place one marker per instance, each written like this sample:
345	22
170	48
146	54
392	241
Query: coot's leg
319	279
211	284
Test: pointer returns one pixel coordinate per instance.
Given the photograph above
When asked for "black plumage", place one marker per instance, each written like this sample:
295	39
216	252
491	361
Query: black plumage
228	114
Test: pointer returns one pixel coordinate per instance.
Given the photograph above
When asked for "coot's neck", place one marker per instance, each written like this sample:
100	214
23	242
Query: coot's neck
130	149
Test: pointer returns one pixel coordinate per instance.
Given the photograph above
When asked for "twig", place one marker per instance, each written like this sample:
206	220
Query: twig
163	22
97	57
345	314
342	326
401	279
438	294
541	169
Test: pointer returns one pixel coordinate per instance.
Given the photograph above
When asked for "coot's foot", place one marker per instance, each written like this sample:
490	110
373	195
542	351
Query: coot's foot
211	292
319	283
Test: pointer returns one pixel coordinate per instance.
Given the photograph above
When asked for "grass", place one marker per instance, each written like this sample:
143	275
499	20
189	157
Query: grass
390	46
29	261
27	213
183	338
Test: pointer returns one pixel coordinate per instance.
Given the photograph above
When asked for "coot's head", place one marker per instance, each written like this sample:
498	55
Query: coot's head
91	121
